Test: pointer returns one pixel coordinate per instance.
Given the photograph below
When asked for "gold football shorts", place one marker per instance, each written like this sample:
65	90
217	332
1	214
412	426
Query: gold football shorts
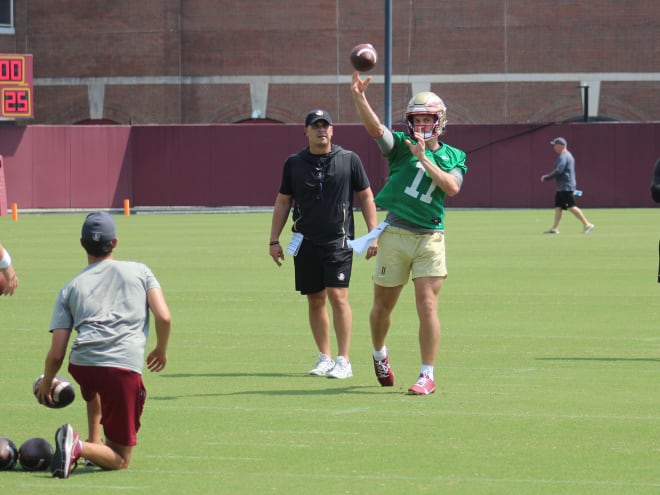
402	252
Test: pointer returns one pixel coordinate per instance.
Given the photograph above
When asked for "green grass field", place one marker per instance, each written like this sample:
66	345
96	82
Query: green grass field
547	374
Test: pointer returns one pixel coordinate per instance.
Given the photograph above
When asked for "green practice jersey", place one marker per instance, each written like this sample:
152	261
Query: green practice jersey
410	193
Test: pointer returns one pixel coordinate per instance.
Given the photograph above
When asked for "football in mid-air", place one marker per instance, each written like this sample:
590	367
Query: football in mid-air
35	454
62	391
363	57
8	454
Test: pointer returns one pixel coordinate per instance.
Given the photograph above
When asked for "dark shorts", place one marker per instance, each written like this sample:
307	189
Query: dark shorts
322	265
564	200
122	396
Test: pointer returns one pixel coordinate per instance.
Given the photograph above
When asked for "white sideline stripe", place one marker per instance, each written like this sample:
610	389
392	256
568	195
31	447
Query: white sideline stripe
380	477
440	414
276	445
94	487
311	432
197	457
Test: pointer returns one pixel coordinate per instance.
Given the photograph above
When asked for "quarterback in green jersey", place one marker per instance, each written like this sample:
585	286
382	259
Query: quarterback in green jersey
423	171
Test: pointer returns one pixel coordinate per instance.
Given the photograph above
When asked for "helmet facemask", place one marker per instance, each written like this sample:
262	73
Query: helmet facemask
428	131
426	104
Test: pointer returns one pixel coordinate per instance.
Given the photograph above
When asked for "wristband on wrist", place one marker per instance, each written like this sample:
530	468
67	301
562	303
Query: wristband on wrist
273	243
5	261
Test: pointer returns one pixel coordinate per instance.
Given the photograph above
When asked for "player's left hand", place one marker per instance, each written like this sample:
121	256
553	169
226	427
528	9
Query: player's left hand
156	360
373	250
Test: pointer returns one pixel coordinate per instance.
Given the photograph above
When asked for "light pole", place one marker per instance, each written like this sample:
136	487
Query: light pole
388	64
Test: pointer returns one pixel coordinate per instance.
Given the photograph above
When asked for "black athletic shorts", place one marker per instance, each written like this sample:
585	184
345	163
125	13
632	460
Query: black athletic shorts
564	200
319	266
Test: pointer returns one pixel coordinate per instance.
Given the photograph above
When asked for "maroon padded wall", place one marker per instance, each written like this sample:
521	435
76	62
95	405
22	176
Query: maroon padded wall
241	164
67	166
614	163
226	165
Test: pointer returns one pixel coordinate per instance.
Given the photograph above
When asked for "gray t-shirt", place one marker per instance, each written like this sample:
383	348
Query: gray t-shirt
106	304
564	172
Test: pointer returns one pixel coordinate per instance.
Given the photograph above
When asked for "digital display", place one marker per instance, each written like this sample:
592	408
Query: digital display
16	87
16	102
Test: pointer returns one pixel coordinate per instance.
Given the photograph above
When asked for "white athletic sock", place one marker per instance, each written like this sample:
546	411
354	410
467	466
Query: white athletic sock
427	369
379	355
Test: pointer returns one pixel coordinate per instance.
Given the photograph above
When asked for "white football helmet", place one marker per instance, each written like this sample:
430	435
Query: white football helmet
427	103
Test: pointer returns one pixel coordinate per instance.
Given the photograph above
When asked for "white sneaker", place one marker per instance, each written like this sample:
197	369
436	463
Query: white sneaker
342	369
323	365
589	228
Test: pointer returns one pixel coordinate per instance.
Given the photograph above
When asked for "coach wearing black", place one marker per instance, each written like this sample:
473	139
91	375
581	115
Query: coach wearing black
319	183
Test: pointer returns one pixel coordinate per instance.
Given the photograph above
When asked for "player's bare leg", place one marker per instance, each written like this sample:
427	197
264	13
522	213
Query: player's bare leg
558	215
427	290
110	456
579	215
94	420
385	299
342	317
319	321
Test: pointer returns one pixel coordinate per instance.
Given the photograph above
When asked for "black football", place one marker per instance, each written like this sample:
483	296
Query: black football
8	454
35	454
62	391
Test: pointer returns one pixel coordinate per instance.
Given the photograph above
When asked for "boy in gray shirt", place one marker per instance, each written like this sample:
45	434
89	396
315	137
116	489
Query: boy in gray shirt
108	305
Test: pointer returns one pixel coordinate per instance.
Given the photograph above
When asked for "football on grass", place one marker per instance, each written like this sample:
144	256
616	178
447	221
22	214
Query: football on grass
35	454
363	57
8	454
62	391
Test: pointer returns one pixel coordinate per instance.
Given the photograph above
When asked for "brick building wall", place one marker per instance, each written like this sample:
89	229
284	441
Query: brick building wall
220	61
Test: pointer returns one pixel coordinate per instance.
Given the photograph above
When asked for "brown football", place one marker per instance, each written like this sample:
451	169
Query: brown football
363	57
62	391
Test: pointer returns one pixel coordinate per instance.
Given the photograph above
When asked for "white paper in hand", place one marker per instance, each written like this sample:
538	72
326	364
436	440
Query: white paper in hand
294	245
361	244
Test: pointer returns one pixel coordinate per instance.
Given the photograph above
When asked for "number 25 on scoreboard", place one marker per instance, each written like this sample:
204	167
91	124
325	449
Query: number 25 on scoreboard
16	102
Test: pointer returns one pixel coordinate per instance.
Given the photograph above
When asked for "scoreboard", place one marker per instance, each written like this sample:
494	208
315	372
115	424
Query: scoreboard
16	87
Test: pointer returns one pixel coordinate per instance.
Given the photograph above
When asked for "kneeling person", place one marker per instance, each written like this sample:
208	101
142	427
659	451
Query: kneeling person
108	304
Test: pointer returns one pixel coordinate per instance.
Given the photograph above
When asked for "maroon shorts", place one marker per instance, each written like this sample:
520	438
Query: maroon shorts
122	396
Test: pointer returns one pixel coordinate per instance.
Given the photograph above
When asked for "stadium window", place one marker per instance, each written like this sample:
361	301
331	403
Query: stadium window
7	17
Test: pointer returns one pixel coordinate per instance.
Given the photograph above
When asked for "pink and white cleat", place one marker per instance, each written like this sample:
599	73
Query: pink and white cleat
423	386
67	451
